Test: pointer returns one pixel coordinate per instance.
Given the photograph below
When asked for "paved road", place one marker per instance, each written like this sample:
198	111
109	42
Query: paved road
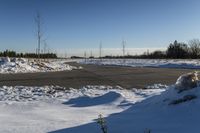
126	77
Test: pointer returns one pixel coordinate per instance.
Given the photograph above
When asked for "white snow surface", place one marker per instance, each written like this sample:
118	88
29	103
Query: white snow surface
22	65
55	109
51	108
157	63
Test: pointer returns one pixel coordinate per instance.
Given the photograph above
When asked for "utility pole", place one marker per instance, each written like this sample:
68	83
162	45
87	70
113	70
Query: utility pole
100	50
65	54
91	54
147	52
36	51
39	32
85	55
123	47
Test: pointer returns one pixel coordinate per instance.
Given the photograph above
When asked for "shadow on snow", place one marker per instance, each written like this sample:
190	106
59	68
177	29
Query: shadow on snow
152	113
115	121
88	101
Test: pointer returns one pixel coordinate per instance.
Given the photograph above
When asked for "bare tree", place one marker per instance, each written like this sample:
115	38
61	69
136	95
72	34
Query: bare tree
194	48
39	32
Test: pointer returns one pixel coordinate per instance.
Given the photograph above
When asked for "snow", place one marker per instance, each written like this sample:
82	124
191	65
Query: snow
54	109
22	65
187	81
35	109
158	115
157	63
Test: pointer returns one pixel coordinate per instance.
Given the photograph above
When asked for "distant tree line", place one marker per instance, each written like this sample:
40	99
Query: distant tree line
11	53
175	50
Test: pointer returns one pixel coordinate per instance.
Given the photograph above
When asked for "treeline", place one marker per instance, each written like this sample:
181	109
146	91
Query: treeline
175	50
11	53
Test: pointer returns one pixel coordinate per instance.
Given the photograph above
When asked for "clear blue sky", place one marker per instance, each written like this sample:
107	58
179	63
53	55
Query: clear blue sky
82	24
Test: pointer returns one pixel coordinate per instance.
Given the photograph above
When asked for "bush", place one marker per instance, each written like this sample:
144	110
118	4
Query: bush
102	123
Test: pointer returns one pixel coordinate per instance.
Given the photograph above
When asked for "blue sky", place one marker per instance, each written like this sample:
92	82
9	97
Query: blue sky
78	25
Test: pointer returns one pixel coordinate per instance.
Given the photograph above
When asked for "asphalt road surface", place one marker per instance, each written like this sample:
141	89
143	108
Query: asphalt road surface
127	77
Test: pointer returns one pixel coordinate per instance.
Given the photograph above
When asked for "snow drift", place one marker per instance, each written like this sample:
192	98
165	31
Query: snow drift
21	65
171	111
47	109
157	63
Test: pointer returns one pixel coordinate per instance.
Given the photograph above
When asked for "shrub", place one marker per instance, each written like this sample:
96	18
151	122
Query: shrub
102	123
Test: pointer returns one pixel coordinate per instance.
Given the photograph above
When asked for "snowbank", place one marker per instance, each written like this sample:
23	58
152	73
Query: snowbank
59	110
48	109
160	114
164	113
158	63
21	65
27	93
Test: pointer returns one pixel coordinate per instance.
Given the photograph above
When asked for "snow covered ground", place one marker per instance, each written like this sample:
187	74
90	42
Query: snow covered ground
58	110
47	109
158	63
21	65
